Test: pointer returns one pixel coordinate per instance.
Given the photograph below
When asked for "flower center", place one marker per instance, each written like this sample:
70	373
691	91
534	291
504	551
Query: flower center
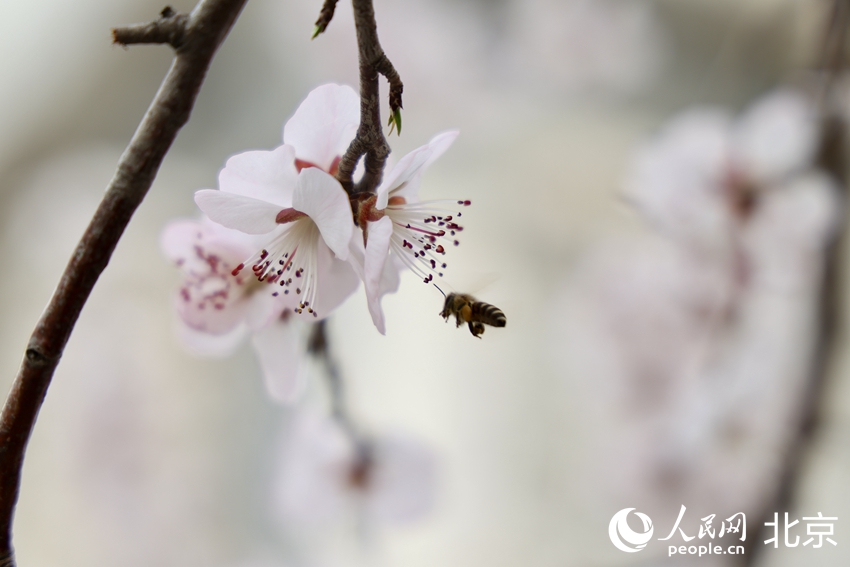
290	260
421	231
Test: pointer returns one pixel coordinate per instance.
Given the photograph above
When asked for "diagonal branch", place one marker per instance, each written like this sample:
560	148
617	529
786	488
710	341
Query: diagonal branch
370	141
200	33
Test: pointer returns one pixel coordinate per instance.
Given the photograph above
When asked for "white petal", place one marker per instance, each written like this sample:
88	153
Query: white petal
401	175
406	176
206	344
263	308
777	136
245	214
267	176
310	486
676	180
405	482
440	143
337	281
377	253
790	229
279	355
323	199
324	124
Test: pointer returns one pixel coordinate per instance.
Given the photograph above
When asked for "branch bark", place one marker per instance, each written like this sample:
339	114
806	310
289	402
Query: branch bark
195	38
370	141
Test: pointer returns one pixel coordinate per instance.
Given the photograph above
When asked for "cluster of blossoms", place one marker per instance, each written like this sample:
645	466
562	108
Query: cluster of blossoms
279	243
700	340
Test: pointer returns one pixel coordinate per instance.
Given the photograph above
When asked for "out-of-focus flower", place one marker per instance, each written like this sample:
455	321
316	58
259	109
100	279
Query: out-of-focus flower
705	340
217	309
718	185
399	229
324	476
290	196
692	402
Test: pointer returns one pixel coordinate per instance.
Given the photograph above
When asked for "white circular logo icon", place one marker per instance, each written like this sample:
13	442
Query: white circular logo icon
625	538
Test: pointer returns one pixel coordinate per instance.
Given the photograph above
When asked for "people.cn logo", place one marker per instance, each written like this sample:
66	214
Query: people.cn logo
624	537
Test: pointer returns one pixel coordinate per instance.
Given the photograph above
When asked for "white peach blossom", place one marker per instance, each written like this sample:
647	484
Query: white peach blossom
324	475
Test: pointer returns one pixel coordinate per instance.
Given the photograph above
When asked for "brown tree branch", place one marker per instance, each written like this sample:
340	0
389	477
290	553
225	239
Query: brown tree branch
370	141
201	33
832	159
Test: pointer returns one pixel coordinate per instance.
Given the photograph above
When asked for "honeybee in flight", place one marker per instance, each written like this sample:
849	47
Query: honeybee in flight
474	313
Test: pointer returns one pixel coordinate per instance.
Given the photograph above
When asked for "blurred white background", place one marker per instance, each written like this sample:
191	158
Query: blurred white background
145	455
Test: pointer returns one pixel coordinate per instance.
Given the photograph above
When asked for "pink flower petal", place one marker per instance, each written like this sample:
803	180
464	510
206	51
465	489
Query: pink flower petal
245	214
203	315
178	239
265	175
323	199
324	124
277	351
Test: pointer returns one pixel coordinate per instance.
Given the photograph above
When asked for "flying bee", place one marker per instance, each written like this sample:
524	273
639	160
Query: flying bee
474	313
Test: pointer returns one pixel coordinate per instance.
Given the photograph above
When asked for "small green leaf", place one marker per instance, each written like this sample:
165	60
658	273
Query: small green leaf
316	31
395	121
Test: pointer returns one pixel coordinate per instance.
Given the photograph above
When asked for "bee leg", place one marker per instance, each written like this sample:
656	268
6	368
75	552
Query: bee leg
477	329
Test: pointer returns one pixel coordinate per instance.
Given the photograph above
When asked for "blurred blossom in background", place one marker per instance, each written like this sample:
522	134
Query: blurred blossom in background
645	204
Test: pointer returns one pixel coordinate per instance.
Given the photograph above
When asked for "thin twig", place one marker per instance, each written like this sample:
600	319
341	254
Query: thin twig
832	159
318	346
169	28
370	141
325	17
203	31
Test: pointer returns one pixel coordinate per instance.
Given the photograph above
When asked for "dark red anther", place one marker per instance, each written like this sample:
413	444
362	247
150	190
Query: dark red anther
440	249
237	269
